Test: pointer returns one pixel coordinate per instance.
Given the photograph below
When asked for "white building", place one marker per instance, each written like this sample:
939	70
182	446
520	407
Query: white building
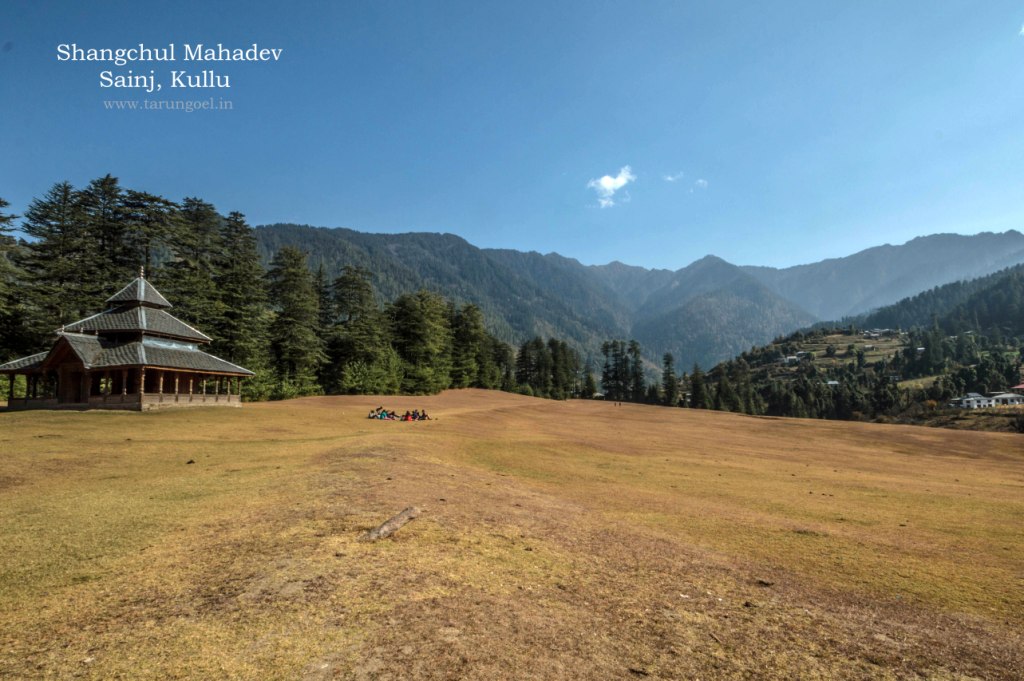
972	401
1008	399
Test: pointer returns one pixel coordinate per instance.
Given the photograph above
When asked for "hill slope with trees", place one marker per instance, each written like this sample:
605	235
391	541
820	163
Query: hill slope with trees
279	298
958	338
301	331
705	312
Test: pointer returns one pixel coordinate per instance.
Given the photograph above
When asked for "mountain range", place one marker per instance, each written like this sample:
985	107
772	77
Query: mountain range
705	312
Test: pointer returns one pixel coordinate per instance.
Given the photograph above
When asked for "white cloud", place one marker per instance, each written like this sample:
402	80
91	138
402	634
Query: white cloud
673	178
700	184
1021	30
608	185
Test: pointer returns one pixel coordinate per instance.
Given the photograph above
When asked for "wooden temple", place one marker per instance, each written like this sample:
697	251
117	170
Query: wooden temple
135	356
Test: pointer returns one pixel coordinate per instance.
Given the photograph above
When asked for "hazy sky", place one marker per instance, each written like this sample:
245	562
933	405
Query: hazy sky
649	132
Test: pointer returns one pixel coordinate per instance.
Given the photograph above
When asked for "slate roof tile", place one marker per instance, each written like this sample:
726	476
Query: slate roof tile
144	319
139	291
24	363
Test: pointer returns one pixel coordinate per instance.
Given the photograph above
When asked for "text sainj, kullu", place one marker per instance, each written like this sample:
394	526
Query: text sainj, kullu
207	78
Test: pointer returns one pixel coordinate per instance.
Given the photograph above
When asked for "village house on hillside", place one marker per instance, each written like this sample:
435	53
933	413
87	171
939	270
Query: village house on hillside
979	401
135	356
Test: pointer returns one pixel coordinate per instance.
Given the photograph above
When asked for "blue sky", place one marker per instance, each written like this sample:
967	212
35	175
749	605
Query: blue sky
654	133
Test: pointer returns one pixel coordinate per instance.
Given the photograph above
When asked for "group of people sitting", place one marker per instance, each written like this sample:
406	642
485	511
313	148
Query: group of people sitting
385	415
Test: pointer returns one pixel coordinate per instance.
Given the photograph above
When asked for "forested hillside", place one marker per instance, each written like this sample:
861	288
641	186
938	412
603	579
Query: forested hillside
705	312
914	357
313	309
840	287
928	306
529	294
301	331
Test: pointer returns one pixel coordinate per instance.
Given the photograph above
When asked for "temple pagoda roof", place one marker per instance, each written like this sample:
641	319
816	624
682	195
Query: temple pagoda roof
139	318
141	292
97	352
137	331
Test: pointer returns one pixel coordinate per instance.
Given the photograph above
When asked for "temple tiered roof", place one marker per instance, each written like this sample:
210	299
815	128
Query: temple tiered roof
141	292
118	345
147	320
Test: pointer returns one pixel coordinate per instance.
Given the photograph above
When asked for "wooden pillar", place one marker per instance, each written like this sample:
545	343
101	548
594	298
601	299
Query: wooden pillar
160	384
216	389
176	376
107	385
124	384
190	377
204	389
142	383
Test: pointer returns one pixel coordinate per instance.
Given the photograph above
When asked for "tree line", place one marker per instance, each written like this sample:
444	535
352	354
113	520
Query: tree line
301	332
851	388
959	338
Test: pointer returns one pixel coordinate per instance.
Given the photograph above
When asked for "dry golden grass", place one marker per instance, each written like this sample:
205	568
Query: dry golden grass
560	540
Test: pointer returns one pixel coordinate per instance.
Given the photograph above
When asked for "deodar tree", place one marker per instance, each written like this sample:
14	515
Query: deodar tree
422	337
361	358
293	331
242	337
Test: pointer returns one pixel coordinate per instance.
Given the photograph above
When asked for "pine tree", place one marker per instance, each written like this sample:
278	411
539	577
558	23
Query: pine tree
468	346
726	398
361	356
293	332
504	360
699	397
422	338
492	360
7	247
188	281
105	221
637	384
534	367
14	335
58	263
607	370
669	381
150	225
242	337
327	317
616	374
564	364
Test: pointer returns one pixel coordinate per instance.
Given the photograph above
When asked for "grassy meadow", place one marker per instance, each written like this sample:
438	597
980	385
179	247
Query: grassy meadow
559	540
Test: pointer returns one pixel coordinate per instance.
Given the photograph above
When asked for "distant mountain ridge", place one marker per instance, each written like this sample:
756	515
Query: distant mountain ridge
989	304
872	278
705	312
